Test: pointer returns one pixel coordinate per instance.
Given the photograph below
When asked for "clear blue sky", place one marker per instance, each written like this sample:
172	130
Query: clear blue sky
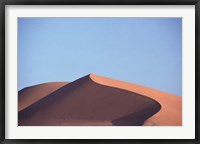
145	51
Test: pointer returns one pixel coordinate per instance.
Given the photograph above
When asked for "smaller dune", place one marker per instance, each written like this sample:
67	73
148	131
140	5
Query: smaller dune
30	95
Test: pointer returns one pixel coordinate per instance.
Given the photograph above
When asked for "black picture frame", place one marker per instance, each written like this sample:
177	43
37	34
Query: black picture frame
99	2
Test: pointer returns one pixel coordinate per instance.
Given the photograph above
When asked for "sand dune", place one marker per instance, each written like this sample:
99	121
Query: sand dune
90	100
171	111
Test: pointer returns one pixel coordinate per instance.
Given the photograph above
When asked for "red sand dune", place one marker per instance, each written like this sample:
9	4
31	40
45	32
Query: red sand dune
90	100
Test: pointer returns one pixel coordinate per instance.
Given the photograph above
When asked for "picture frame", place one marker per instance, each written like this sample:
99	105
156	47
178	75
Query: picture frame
3	87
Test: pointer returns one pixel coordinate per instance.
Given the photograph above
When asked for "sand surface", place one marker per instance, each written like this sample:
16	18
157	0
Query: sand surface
90	100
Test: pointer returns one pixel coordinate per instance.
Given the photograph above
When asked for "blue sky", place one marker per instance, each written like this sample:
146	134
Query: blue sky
145	51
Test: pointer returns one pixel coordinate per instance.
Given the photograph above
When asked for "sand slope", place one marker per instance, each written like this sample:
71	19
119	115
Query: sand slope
89	100
30	95
171	111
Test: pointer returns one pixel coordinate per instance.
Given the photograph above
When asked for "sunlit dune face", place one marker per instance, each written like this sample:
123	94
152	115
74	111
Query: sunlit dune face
171	111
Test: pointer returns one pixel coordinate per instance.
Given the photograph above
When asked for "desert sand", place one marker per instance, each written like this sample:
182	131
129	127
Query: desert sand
90	100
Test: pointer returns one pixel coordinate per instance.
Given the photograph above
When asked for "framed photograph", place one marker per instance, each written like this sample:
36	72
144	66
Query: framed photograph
100	71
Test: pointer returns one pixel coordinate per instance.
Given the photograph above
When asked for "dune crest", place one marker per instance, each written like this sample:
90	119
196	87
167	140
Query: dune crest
171	111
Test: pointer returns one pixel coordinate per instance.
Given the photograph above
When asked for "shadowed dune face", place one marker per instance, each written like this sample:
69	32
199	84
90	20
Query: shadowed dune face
171	111
86	102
